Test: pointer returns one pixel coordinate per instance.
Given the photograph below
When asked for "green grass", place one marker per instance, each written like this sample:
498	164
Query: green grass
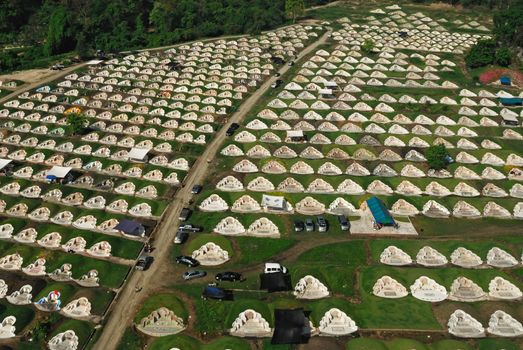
459	227
256	250
169	301
187	343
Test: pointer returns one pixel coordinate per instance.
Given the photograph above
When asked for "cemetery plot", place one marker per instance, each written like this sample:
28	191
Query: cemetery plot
352	121
90	162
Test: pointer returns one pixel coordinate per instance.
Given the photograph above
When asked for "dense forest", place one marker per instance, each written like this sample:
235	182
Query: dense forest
36	29
35	32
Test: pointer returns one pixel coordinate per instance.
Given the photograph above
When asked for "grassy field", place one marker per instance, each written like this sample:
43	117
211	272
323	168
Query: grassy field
169	301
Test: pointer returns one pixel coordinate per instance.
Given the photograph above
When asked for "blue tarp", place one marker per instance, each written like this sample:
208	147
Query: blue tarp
511	101
380	212
504	80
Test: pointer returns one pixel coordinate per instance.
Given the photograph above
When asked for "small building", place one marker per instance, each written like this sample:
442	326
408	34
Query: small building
331	85
138	154
274	203
509	119
380	212
505	81
295	136
326	93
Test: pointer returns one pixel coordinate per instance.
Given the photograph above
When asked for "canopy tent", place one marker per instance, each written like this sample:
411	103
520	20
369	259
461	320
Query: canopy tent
380	212
138	154
275	282
291	327
4	163
511	101
130	227
510	119
58	172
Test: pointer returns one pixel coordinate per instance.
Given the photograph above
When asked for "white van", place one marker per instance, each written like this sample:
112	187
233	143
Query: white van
274	267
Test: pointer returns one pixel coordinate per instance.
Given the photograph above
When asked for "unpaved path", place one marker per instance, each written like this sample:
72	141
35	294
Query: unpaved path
127	301
41	81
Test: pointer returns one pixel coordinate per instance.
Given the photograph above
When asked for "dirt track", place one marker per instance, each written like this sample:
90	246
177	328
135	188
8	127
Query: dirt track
128	300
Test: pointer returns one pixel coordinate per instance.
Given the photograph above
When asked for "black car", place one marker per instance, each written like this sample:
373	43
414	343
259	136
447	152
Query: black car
196	189
187	260
232	129
309	225
184	214
143	262
276	83
298	226
212	292
228	276
181	237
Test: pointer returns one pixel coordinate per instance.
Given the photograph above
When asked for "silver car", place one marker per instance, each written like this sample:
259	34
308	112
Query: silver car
192	274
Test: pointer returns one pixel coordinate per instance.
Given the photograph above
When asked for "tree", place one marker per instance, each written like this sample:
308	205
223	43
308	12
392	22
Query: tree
437	156
503	56
294	9
76	122
368	45
482	54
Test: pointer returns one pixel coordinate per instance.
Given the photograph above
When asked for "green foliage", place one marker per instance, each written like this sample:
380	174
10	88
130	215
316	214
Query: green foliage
368	46
76	122
486	52
436	156
294	9
482	54
503	57
508	23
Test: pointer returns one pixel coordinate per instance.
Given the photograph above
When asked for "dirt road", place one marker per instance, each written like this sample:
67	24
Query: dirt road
40	82
128	300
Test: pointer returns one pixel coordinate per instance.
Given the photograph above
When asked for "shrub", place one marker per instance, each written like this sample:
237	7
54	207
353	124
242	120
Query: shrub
503	56
482	54
436	156
368	45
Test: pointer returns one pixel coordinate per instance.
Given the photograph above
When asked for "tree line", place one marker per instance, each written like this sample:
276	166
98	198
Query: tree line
36	29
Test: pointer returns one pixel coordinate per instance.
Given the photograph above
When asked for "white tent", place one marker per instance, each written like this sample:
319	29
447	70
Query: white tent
138	154
59	171
4	163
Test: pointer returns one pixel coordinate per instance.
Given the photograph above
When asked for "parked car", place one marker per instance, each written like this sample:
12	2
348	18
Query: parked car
290	63
196	189
187	260
192	274
274	267
277	83
322	224
143	262
344	223
230	131
228	276
309	225
298	226
181	237
213	292
190	228
57	66
184	214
